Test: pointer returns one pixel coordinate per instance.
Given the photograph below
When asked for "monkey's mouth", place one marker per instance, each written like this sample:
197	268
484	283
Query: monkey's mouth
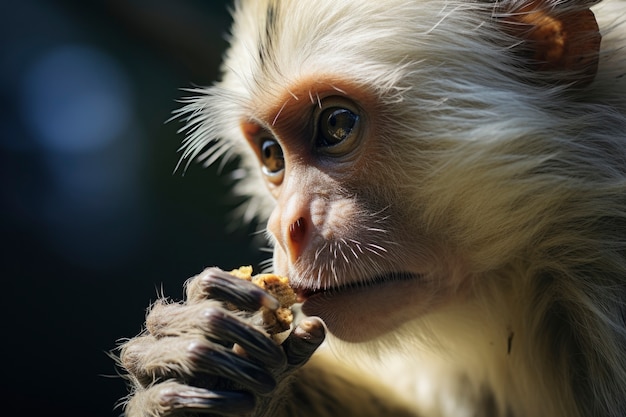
357	312
303	294
371	284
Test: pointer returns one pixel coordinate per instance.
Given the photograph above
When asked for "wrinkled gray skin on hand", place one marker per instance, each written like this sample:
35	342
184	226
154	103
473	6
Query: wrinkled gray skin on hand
198	357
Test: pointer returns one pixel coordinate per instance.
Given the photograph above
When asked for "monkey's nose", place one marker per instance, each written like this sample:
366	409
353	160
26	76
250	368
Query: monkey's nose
297	237
291	225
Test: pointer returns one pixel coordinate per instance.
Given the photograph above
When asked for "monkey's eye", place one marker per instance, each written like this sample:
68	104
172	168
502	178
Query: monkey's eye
336	126
271	157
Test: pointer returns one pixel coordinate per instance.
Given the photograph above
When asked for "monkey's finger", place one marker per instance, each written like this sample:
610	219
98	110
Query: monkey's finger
132	354
217	284
229	365
215	323
222	326
185	357
171	398
304	341
169	319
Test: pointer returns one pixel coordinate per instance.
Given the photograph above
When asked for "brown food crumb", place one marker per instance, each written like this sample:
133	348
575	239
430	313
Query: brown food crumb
274	321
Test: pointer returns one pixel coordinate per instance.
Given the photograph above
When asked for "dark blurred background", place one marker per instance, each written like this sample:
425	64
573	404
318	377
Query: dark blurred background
95	219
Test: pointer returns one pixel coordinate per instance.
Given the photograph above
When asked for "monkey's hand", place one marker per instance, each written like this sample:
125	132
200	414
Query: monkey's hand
200	357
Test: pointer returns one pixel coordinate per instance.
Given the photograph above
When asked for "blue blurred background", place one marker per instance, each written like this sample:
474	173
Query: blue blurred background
95	221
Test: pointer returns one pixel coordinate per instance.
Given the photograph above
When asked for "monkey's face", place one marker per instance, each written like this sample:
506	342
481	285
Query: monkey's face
342	229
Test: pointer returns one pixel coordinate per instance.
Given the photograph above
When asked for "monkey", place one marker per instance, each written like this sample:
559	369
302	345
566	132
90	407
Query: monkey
444	185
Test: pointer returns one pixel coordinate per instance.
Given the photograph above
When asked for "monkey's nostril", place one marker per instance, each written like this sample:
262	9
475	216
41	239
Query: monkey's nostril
297	230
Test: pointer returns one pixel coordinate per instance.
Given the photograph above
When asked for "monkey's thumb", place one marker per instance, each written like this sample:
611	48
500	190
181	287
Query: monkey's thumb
304	340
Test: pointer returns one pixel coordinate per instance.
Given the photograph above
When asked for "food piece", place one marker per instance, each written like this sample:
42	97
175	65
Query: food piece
274	321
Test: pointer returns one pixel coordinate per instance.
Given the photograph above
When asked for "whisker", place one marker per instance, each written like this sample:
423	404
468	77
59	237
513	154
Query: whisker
349	247
380	248
293	95
358	244
279	112
266	266
343	255
334	87
374	229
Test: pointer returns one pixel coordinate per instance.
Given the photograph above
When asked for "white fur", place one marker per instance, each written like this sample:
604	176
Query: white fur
526	180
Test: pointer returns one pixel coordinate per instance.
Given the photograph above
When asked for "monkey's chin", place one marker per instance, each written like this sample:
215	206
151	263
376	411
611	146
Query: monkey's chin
364	312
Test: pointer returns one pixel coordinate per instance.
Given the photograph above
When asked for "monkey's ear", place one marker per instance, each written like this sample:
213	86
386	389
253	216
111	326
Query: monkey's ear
559	37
